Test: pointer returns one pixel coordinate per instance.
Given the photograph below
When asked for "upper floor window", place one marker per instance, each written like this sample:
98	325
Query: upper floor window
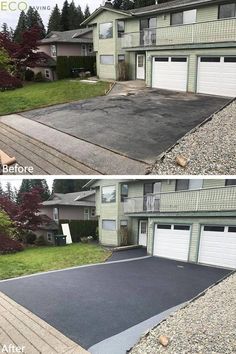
124	192
53	49
184	17
93	212
230	182
86	214
227	10
106	30
146	23
120	28
109	194
55	214
188	184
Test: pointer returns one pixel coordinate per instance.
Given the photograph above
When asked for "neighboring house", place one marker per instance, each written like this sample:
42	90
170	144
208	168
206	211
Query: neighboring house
47	229
188	220
45	65
69	43
187	45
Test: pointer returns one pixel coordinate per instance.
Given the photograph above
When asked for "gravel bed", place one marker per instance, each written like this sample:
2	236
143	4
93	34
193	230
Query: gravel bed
210	149
205	326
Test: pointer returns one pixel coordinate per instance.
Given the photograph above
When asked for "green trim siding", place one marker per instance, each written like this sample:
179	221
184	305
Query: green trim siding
196	224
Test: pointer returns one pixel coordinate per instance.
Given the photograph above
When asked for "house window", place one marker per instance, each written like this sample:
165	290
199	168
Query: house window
230	182
109	194
86	214
109	225
47	74
106	30
84	49
186	184
53	50
49	236
124	192
107	59
148	188
55	214
120	28
121	58
90	48
93	212
227	10
184	17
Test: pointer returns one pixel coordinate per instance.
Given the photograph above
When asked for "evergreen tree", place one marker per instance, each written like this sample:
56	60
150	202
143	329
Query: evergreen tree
34	19
28	185
86	12
9	193
143	3
80	16
21	27
68	185
1	189
73	16
117	4
54	23
127	5
65	21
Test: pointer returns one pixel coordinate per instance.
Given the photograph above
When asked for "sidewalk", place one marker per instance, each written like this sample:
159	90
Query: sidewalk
20	329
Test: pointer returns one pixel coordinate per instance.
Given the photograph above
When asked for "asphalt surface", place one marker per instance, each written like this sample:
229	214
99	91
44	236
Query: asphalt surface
140	126
90	304
128	254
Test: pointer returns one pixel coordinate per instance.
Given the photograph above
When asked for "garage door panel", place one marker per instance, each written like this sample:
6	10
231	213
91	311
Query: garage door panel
217	78
173	244
218	248
170	75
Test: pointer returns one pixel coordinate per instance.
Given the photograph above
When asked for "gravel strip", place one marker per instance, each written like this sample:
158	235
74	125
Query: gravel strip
205	326
210	149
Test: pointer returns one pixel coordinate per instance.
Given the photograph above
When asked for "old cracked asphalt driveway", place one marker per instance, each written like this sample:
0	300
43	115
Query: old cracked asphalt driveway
93	303
140	126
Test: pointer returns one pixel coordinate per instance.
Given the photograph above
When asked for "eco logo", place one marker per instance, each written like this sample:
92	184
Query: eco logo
19	5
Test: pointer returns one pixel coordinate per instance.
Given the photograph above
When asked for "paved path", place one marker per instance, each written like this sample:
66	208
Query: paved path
43	158
84	157
22	329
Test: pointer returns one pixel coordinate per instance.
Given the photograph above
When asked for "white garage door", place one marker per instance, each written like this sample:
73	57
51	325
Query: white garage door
217	76
218	246
170	73
172	241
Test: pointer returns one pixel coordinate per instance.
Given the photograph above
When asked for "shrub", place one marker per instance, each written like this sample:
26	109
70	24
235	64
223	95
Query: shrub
40	241
66	64
81	228
7	245
39	77
123	70
29	75
30	238
8	82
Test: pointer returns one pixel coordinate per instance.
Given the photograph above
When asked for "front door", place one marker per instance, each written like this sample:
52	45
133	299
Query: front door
140	67
143	233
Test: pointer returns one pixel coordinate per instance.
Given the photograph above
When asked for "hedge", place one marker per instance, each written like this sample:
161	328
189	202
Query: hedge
66	64
81	228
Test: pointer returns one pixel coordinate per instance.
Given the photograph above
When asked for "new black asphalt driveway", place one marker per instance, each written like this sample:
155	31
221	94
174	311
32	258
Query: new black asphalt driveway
140	126
90	304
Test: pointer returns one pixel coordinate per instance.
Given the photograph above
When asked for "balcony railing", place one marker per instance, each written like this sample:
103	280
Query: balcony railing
209	199
202	32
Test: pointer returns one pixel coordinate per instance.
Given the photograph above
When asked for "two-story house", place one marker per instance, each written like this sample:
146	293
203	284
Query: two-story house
72	43
188	220
181	45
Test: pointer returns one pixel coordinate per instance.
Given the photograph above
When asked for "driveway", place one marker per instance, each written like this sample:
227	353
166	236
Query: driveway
93	303
139	126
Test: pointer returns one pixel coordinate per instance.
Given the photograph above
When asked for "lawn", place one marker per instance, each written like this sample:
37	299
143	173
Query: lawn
41	259
36	95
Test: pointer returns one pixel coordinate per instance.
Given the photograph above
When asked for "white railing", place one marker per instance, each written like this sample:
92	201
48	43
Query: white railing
208	199
202	32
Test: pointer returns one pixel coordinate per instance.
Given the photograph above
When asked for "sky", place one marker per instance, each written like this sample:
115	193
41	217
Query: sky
16	182
11	17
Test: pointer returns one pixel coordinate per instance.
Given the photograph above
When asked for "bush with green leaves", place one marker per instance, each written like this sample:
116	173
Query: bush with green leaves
6	225
39	77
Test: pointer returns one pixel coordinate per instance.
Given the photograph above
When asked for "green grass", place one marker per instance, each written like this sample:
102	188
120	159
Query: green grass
41	259
44	94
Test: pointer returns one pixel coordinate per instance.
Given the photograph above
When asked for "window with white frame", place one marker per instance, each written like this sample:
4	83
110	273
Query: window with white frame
227	10
53	49
109	194
47	73
86	214
55	214
109	225
49	236
120	28
93	212
90	48
107	59
184	17
106	30
188	184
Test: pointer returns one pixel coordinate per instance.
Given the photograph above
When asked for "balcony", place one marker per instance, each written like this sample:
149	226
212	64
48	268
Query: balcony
197	33
209	199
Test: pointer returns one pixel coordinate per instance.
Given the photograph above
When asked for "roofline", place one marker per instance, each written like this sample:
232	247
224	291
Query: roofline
104	8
